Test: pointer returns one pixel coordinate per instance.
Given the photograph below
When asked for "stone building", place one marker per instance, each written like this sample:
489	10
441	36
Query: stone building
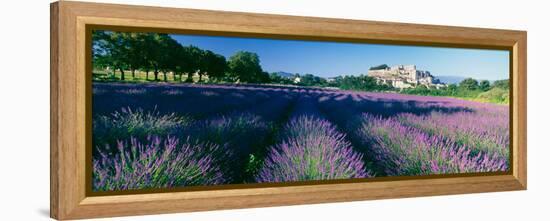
403	76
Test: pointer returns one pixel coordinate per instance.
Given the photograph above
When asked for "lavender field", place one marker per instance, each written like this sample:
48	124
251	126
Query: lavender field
177	135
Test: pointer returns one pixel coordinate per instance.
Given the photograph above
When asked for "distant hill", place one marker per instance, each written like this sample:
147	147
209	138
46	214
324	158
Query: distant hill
285	74
450	79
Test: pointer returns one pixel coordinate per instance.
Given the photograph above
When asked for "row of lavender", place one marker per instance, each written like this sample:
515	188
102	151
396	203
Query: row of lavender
311	148
155	150
410	135
208	135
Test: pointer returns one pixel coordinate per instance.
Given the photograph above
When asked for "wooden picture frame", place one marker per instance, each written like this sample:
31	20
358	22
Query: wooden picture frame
70	133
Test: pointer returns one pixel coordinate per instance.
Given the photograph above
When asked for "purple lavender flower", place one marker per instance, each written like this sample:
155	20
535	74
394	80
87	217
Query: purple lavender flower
156	164
314	150
121	125
238	134
404	150
485	132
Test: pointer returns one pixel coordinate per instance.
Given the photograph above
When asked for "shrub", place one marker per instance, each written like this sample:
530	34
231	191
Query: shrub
403	150
156	164
485	132
313	150
238	133
107	129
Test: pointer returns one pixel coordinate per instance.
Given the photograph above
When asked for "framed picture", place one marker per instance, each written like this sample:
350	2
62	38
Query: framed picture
161	110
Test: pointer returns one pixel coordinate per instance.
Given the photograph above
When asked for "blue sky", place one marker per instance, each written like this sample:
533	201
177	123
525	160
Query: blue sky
328	59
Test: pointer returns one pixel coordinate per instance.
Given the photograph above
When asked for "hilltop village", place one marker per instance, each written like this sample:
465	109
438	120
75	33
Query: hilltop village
404	76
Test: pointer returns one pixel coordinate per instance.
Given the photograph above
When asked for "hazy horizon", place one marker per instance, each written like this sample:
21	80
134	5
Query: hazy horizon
330	59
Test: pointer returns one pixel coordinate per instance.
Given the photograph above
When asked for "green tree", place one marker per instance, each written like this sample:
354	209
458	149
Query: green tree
180	61
194	55
361	82
503	84
484	85
167	60
452	89
214	65
149	52
245	67
100	47
156	52
312	80
277	79
134	51
263	77
469	84
110	49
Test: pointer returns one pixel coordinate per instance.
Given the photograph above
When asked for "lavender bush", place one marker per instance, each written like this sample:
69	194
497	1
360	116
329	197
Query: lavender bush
404	150
121	125
238	133
314	150
233	129
156	164
481	132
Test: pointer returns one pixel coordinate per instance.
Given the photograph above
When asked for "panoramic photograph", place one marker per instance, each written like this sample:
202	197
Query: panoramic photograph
172	111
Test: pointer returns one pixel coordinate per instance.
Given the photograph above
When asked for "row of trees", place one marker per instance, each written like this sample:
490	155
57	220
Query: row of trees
346	82
470	84
473	84
361	83
159	53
